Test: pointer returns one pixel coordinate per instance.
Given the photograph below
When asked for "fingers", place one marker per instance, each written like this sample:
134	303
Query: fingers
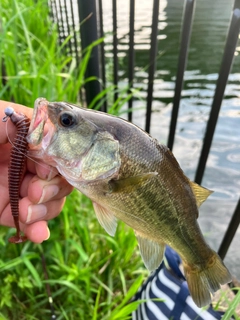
29	214
8	128
37	232
42	200
41	191
17	107
43	170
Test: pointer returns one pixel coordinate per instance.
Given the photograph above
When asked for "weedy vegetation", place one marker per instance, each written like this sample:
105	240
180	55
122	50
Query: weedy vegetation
90	274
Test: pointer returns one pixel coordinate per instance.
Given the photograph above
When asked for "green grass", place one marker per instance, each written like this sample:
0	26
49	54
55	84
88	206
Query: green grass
32	62
232	307
90	274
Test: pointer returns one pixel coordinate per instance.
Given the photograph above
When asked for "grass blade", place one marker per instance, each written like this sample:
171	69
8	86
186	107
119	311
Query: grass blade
232	307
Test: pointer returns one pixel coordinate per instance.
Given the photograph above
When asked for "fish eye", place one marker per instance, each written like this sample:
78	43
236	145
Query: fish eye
67	120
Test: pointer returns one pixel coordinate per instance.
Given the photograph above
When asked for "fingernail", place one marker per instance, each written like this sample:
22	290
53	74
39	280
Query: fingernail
48	193
36	212
48	236
51	174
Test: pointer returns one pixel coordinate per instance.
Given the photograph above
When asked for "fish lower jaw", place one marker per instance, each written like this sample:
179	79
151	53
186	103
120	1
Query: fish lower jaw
47	139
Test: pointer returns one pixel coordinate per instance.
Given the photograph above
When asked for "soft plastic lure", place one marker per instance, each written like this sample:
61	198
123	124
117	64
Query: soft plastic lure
16	166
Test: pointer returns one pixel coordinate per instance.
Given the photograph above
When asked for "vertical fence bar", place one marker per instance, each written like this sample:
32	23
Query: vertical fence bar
231	230
61	24
89	33
235	220
131	56
50	5
74	33
68	27
115	49
103	72
225	69
188	13
152	62
236	4
55	17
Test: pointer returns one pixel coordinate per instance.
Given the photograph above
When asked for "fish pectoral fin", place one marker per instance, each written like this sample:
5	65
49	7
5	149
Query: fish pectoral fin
128	183
201	193
106	219
151	252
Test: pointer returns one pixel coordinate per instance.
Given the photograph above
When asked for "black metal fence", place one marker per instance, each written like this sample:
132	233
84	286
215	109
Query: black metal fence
84	20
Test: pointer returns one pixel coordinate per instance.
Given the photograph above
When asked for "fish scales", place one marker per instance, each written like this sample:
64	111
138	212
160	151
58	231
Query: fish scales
130	176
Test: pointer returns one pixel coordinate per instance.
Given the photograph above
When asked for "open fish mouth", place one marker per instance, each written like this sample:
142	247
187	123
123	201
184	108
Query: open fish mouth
38	133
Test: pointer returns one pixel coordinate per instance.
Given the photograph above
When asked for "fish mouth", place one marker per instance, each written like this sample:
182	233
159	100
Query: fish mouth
38	132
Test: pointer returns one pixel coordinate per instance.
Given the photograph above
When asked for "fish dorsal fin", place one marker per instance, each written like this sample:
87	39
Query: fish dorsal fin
201	193
106	219
151	252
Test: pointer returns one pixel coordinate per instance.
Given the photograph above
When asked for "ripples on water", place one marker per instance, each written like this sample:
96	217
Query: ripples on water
209	32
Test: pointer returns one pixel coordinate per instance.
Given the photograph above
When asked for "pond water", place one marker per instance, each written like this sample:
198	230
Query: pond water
209	32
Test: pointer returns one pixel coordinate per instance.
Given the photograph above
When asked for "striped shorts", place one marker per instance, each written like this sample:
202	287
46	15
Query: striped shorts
170	286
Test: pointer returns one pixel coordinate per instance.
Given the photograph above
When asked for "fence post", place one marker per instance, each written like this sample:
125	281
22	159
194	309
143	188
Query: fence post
115	49
131	56
152	62
89	33
230	233
182	61
102	64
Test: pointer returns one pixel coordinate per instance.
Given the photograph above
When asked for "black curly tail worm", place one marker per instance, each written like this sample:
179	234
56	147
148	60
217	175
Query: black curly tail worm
16	166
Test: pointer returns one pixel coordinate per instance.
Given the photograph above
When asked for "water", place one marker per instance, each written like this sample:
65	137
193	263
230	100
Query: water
209	32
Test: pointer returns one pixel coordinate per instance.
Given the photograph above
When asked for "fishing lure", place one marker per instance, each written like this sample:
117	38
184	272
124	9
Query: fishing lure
16	166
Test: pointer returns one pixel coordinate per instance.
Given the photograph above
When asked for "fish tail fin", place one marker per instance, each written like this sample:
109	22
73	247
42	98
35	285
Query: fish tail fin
202	281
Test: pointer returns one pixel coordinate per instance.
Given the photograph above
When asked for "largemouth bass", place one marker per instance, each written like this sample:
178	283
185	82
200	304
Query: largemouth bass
129	176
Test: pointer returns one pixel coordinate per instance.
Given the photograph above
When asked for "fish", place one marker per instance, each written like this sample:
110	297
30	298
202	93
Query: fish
130	176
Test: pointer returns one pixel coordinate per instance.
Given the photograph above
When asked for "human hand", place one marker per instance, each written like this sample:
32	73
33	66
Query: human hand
42	191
